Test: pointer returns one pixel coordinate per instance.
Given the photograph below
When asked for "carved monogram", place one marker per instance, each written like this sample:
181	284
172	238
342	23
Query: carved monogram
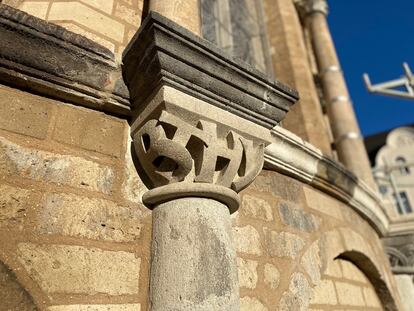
171	150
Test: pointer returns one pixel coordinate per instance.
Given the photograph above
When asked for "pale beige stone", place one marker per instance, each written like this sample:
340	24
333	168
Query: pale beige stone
91	36
56	168
351	272
349	294
103	5
283	244
271	276
334	268
298	295
128	14
322	203
35	8
311	261
247	273
251	304
133	188
371	298
13	205
256	208
105	307
97	219
80	270
247	240
324	294
88	17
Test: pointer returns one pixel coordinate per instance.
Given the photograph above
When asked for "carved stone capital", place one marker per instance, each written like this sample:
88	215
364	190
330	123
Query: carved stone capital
200	120
308	7
185	147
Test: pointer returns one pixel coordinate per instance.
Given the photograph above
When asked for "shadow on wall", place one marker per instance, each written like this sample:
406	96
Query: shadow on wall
367	267
13	296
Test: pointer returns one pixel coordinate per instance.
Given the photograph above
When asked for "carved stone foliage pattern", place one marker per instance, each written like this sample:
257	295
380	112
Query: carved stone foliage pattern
171	150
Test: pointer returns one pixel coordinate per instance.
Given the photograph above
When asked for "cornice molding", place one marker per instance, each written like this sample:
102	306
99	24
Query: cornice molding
48	59
164	53
290	155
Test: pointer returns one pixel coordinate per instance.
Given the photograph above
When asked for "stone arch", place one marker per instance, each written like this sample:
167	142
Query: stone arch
13	296
348	245
373	274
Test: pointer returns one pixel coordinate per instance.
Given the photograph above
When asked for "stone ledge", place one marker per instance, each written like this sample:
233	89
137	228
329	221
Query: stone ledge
290	155
50	60
164	53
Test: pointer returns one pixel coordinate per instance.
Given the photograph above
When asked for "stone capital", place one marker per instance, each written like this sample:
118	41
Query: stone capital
308	7
201	120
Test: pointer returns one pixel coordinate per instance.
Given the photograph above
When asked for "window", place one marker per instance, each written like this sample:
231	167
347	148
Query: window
404	169
237	27
402	203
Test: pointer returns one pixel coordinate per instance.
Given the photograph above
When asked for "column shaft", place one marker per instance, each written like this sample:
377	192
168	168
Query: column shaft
184	12
348	140
193	258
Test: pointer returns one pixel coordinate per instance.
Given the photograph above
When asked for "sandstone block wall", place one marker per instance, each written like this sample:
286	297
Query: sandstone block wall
73	233
75	236
111	23
299	249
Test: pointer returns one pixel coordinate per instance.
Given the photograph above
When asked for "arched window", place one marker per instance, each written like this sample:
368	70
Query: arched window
404	169
237	27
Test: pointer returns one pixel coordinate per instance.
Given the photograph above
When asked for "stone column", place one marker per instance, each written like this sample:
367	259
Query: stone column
347	137
195	168
184	12
200	123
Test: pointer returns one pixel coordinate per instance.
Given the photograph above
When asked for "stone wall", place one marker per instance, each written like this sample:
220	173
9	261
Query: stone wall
76	237
111	23
71	226
288	236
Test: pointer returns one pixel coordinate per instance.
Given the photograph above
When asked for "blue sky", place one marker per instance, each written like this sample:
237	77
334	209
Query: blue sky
374	37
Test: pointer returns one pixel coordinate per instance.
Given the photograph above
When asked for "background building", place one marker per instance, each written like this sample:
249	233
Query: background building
156	170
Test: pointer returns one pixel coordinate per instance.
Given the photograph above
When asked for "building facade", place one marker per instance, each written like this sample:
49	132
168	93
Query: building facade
183	155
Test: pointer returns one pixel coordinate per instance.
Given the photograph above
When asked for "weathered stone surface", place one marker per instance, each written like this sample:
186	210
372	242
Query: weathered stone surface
129	14
247	273
271	276
283	244
96	219
280	185
256	207
13	297
298	296
247	240
23	113
346	290
56	168
351	272
13	205
157	52
371	298
61	64
123	307
251	304
325	294
87	17
90	130
334	268
311	261
194	260
103	5
76	269
298	218
323	203
132	188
